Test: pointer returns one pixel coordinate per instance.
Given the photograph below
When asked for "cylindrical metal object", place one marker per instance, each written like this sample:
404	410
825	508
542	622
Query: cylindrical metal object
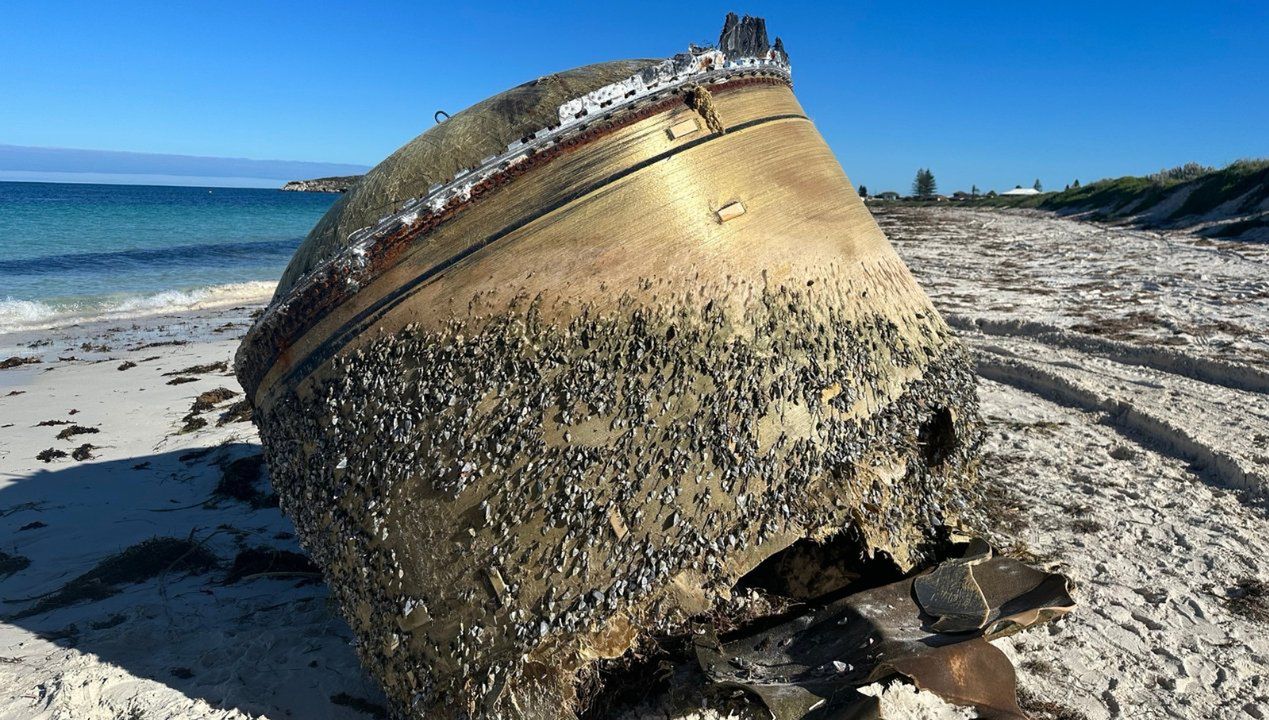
577	404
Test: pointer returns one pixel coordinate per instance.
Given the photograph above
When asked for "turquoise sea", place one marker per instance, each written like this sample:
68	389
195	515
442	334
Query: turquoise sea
71	252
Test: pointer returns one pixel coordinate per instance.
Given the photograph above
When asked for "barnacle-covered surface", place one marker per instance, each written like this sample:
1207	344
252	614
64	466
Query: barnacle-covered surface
570	411
500	500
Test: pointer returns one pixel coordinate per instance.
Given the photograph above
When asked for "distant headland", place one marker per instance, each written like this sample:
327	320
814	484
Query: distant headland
336	184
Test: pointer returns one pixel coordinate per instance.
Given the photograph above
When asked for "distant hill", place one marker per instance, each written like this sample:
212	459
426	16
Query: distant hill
1232	202
336	184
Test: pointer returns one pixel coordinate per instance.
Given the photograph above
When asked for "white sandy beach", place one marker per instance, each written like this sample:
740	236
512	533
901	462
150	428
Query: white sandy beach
1126	386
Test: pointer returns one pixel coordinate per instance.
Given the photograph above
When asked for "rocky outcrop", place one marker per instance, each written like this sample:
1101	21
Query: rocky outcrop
326	184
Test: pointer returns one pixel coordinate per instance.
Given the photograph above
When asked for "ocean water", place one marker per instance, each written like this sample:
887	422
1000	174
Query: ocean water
72	252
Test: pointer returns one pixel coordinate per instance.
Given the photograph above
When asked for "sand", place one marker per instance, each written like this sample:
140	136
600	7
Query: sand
178	645
1125	383
1132	456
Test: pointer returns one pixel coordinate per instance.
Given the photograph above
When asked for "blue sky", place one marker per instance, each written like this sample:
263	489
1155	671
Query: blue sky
988	93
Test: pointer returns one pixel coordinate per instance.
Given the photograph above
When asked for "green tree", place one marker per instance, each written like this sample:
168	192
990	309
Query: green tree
1076	183
973	191
1037	186
863	191
923	186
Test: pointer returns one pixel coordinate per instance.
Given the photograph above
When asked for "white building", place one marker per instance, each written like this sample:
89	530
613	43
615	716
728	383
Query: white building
1021	191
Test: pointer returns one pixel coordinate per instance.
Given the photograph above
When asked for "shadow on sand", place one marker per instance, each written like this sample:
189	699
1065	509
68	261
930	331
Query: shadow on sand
84	572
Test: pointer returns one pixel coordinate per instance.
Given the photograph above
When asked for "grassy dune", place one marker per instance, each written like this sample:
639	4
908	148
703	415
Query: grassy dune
1231	202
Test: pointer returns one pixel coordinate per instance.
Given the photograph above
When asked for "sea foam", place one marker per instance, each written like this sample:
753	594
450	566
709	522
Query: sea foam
16	315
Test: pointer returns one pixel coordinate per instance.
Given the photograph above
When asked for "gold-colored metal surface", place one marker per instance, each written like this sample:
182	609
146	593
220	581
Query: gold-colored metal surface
800	212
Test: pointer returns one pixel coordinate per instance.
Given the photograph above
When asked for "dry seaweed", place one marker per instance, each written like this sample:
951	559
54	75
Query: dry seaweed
195	455
219	366
18	361
240	481
192	423
181	380
238	412
10	564
1040	709
932	630
50	455
84	452
126	365
211	398
1249	598
262	561
359	704
114	620
73	430
161	343
138	563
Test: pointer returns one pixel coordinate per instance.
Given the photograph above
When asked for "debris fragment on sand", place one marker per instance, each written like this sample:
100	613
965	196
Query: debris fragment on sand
931	630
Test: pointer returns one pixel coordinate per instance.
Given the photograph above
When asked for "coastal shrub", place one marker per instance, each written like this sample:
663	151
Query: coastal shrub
1241	178
1205	188
1180	173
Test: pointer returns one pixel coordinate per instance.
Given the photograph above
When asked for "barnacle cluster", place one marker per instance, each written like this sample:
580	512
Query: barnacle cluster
500	498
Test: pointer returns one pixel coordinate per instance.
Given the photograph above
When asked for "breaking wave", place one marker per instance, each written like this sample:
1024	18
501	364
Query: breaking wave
18	315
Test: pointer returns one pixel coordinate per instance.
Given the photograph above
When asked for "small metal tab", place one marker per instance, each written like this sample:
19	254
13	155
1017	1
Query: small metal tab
684	128
731	211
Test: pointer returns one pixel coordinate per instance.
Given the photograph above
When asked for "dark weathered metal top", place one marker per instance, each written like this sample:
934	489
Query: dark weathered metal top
436	156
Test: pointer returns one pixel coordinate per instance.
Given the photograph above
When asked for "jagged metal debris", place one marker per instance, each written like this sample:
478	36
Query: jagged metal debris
811	665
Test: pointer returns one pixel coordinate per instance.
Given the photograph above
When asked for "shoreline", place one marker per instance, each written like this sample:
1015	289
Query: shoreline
134	309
